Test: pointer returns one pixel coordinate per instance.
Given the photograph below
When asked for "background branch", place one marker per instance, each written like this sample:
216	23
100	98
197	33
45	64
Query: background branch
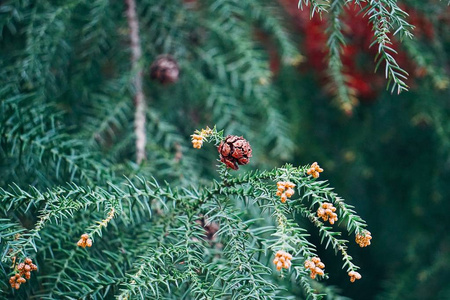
139	99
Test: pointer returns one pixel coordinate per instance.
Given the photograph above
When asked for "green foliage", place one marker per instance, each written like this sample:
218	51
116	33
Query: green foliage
344	93
171	251
386	17
67	153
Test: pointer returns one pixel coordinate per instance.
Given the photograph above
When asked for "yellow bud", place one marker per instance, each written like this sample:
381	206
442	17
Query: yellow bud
315	260
289	192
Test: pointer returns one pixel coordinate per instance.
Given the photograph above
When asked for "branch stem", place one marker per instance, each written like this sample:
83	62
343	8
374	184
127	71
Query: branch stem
139	98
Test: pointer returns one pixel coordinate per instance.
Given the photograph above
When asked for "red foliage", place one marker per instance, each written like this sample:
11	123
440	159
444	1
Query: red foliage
357	55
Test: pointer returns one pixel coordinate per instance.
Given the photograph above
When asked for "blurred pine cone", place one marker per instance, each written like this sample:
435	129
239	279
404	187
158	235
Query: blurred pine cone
210	228
235	150
164	69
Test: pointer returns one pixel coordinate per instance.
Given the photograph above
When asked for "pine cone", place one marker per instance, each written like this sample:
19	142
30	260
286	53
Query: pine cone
235	150
164	69
210	229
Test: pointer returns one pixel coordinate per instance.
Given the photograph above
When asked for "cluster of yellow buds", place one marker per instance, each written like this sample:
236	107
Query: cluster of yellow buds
24	268
314	170
16	280
315	266
363	240
282	260
354	275
84	241
327	212
285	190
199	136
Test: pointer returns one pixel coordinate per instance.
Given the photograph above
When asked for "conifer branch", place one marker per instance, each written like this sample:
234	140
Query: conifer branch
246	273
423	59
332	239
139	99
345	94
291	237
62	272
384	16
316	6
317	192
59	204
45	141
66	115
97	229
305	282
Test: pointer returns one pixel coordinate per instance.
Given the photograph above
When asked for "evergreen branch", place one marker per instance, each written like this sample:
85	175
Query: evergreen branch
275	129
43	141
63	202
317	192
195	265
151	277
9	230
12	14
113	120
290	233
336	243
96	35
64	118
271	24
62	272
79	273
308	188
139	100
345	94
97	229
59	204
246	274
305	282
148	251
384	15
317	6
40	52
423	59
246	80
354	222
291	238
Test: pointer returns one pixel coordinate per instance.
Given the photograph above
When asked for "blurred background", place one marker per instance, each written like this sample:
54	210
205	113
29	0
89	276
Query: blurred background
258	69
389	156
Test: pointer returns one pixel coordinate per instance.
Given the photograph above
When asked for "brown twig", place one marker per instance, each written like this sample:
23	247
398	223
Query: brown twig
139	99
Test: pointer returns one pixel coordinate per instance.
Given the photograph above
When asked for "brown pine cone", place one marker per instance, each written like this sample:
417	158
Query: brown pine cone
164	69
210	229
235	150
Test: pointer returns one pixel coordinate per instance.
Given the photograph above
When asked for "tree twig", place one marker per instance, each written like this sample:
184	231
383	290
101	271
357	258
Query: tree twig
139	99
